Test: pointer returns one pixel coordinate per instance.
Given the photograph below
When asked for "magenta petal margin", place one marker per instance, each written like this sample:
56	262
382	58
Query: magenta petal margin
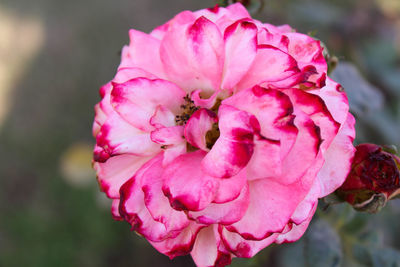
219	133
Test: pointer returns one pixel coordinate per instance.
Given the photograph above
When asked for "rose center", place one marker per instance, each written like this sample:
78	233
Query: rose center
188	108
212	136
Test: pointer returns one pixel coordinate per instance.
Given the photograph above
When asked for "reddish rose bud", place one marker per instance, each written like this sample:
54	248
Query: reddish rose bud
373	179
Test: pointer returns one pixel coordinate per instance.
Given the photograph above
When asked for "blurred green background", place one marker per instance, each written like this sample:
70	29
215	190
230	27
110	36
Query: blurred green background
55	54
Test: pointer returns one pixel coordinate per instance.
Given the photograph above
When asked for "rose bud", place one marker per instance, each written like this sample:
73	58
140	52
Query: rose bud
373	179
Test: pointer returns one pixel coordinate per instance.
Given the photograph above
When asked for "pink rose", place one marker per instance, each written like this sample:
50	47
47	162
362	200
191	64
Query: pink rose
219	133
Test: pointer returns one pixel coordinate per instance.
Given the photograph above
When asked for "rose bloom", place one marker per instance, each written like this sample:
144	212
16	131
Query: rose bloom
219	133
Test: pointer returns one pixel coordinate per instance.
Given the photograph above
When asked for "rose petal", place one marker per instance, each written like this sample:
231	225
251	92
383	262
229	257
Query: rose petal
168	135
270	64
206	250
133	210
173	152
186	185
304	152
155	201
338	158
116	171
181	244
266	160
137	100
307	206
207	103
271	206
162	117
335	99
142	52
234	148
297	230
128	73
234	12
316	109
115	211
274	111
229	189
197	127
240	51
199	48
225	213
274	39
238	11
306	51
241	247
104	108
117	137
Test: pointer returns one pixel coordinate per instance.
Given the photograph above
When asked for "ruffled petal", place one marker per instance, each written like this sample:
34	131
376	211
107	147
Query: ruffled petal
303	154
137	100
316	109
99	118
301	78
234	148
163	117
266	160
338	158
271	206
306	51
117	137
128	73
115	211
223	17
207	103
274	39
225	213
213	13
173	152
168	135
143	52
335	100
238	11
241	247
207	252
270	64
180	245
197	127
307	206
199	47
113	173
186	185
133	210
297	230
240	51
278	29
160	31
155	201
274	110
229	189
104	108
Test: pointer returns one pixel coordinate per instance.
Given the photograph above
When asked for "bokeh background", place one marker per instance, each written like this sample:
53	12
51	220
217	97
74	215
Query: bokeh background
55	54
